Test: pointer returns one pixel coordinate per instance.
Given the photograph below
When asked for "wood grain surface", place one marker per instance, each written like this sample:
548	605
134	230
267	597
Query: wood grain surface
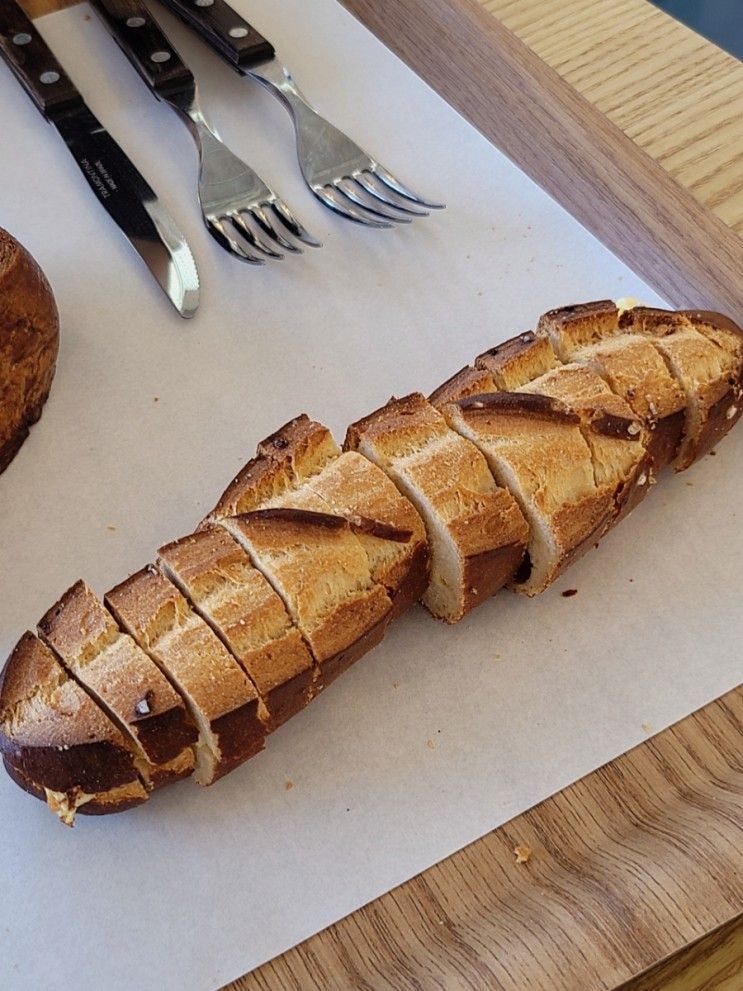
671	91
637	859
633	122
572	149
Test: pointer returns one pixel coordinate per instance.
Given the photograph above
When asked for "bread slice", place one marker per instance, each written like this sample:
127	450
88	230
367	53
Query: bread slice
318	567
476	533
215	574
313	548
535	448
617	439
124	682
220	697
705	354
57	743
301	458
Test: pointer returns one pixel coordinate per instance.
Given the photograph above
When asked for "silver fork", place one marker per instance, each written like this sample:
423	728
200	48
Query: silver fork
239	209
340	174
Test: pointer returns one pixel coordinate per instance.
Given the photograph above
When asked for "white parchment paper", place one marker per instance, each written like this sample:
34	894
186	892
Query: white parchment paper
441	734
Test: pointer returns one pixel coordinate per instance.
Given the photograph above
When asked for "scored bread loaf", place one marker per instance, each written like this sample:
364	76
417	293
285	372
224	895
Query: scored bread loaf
476	533
515	466
221	699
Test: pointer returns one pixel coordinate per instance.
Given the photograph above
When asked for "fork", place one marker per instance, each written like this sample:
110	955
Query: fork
240	210
342	175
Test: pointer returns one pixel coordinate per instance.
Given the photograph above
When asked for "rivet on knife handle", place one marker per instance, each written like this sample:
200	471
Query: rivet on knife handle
141	39
235	40
34	66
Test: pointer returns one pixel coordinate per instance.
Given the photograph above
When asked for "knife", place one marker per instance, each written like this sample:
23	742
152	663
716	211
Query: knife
114	180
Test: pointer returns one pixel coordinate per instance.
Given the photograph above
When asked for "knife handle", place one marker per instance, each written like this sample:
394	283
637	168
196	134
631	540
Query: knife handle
142	41
33	64
222	27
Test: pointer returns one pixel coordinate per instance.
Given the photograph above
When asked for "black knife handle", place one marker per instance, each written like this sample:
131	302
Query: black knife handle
33	64
142	41
222	27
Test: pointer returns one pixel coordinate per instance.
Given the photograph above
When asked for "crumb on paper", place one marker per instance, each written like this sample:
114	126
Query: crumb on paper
632	579
569	593
430	744
523	854
647	728
395	684
288	785
155	399
111	528
712	453
497	657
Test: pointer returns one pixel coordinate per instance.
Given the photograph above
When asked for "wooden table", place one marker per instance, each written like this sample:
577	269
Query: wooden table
635	874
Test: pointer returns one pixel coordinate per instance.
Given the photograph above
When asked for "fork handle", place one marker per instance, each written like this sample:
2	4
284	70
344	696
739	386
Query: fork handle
225	30
34	65
142	40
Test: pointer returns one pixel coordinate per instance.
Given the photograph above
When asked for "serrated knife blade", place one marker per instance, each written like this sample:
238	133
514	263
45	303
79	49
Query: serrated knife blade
117	184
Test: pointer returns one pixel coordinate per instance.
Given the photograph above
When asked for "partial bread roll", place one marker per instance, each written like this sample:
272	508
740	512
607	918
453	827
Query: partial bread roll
124	681
29	341
215	574
221	699
57	743
476	533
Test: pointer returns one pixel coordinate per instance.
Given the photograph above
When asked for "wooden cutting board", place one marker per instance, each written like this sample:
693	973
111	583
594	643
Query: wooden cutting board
635	873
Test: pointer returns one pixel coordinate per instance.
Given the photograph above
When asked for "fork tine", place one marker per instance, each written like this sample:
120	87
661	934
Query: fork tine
220	235
264	223
357	195
389	180
332	198
247	232
384	193
292	224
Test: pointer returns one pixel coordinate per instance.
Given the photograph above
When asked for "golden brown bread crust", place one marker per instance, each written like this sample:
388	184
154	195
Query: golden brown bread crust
386	523
29	341
703	351
321	572
217	577
54	734
535	445
468	381
452	485
518	361
124	681
221	699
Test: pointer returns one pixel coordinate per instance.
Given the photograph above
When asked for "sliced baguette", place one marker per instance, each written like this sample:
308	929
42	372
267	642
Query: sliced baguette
476	533
215	574
57	743
219	695
124	682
